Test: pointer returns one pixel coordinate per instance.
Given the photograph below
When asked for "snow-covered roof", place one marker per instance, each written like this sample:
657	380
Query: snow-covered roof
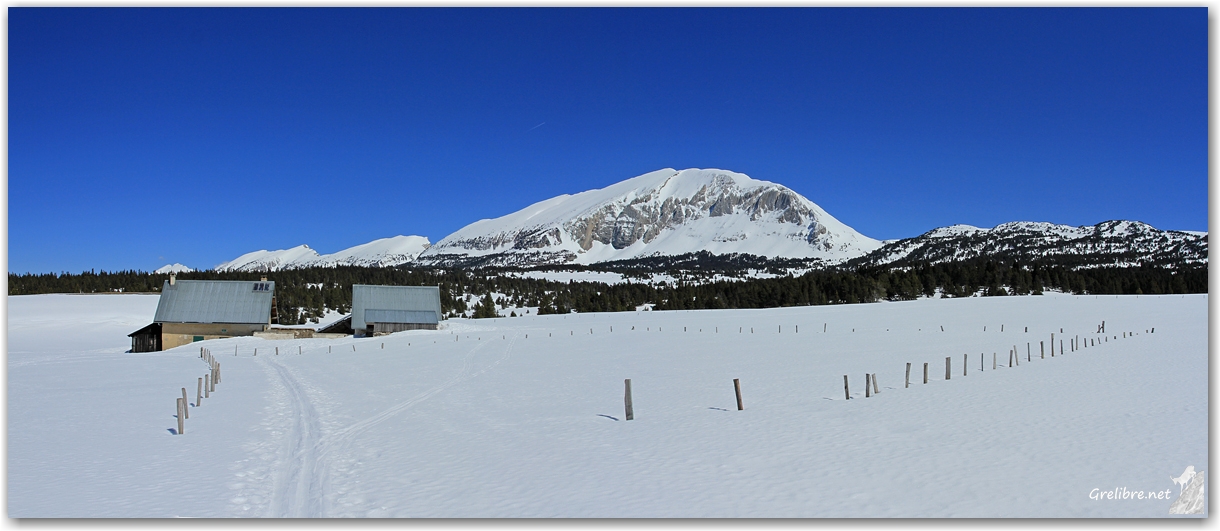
215	301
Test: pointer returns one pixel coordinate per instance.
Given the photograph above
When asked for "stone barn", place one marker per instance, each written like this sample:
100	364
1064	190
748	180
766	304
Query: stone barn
380	310
195	310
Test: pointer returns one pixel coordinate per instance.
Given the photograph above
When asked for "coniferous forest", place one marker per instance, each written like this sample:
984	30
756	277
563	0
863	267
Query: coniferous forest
303	295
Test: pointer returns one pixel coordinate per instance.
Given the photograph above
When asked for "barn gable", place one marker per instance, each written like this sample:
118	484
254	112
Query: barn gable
395	308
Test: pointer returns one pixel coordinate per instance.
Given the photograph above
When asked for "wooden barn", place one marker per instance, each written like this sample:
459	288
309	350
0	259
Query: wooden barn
379	310
195	310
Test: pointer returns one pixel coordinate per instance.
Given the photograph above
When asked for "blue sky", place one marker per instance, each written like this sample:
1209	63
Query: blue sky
141	137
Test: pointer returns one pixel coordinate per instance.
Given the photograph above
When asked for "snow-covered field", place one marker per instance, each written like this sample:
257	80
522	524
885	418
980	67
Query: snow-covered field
523	417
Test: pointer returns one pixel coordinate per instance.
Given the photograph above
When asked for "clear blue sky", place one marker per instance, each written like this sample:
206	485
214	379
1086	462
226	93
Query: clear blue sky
141	137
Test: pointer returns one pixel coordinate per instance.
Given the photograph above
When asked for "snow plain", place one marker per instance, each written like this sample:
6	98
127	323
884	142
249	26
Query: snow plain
523	417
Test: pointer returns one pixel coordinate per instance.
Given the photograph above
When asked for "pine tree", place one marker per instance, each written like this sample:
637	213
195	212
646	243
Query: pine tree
486	308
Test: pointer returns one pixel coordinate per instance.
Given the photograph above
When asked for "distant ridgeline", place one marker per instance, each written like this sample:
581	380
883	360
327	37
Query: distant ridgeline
697	281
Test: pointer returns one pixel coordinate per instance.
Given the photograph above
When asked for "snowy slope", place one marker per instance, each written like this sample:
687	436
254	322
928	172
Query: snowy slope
172	268
385	252
1111	243
666	212
523	417
265	260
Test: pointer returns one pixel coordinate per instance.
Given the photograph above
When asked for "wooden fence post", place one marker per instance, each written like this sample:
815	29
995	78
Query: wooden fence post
908	380
1015	355
181	414
184	408
737	389
1028	355
627	399
993	361
947	362
277	351
1042	348
925	373
207	386
1052	344
1010	353
846	391
867	389
965	360
876	388
1061	346
199	393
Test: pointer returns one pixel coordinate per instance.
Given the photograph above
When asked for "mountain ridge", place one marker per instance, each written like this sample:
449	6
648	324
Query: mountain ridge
384	252
670	212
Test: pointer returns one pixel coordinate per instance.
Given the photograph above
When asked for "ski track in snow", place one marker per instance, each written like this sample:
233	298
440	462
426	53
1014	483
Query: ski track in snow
302	482
350	432
298	491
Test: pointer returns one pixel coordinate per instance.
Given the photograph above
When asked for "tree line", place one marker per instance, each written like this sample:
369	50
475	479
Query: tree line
304	295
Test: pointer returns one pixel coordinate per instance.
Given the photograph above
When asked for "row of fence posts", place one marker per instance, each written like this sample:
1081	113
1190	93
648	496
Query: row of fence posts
207	384
871	387
1014	359
204	388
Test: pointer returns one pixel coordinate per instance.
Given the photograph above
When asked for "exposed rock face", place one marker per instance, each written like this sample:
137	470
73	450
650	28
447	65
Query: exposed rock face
1192	498
663	212
620	225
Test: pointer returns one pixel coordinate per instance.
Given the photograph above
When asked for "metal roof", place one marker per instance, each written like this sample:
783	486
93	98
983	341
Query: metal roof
400	316
406	298
215	301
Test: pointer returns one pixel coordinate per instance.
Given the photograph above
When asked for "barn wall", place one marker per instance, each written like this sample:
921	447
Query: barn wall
380	329
178	334
144	342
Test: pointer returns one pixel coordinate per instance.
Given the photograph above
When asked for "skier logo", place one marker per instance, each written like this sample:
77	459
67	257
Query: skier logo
1190	493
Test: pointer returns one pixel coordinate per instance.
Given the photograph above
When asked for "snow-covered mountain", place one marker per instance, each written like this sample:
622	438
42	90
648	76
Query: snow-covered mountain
172	268
1107	244
672	213
386	252
665	212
